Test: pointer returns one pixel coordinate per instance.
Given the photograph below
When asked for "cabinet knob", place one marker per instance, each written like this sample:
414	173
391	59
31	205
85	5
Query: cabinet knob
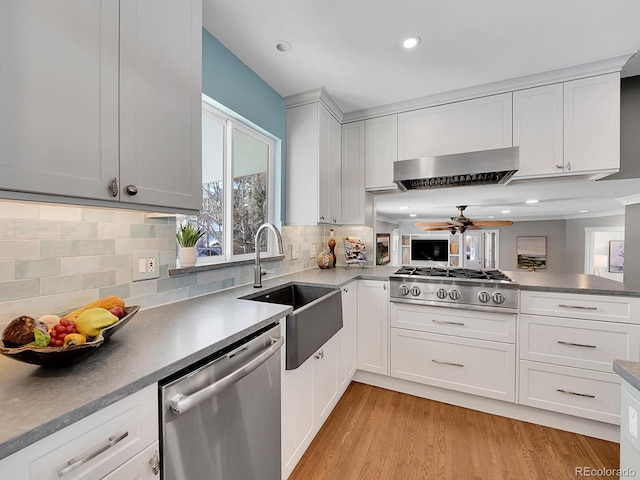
131	190
113	187
559	166
154	462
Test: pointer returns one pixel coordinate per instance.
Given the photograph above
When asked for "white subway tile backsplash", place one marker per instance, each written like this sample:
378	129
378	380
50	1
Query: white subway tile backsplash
36	229
18	210
61	284
115	262
99	247
60	248
79	230
7	271
60	212
128	245
71	265
18	289
46	267
98	279
97	215
17	250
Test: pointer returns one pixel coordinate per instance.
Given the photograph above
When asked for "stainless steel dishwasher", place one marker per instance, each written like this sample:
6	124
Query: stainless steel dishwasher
221	420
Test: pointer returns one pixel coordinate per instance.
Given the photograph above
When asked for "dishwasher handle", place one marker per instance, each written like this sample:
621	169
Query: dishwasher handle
180	403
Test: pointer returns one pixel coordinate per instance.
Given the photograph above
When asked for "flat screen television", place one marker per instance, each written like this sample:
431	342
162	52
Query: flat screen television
429	250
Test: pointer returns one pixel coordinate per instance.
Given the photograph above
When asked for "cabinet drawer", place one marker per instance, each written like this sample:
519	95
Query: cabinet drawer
472	366
578	343
136	415
590	307
500	327
587	394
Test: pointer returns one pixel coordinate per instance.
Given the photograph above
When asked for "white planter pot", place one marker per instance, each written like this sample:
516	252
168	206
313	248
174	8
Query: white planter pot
187	256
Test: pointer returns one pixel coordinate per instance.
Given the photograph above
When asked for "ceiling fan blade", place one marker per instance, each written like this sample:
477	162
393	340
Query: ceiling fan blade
492	223
441	227
431	224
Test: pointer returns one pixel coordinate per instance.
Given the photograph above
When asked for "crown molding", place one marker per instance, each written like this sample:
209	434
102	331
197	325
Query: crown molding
572	72
312	96
630	200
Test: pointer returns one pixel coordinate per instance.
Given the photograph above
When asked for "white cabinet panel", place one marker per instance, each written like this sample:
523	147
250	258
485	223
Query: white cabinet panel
356	210
578	343
574	391
538	131
160	102
349	336
373	326
59	97
479	124
141	467
381	151
327	383
463	364
592	123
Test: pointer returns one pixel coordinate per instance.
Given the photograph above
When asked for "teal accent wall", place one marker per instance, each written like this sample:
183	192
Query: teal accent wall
230	82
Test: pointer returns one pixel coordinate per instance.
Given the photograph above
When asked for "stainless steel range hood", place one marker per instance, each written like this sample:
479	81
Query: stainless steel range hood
486	167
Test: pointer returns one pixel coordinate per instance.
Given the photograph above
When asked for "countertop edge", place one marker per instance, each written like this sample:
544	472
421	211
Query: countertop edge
628	371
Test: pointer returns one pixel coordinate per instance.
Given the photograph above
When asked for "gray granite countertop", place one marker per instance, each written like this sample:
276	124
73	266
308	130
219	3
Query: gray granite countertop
160	341
629	371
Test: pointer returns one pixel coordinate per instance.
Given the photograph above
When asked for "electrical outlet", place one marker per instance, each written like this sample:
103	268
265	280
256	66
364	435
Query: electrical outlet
295	252
633	422
312	250
144	265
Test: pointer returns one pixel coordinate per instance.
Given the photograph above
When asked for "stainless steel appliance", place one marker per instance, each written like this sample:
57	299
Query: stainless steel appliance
221	419
471	289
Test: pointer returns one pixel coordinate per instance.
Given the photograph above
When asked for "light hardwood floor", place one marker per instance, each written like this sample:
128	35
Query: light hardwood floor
377	434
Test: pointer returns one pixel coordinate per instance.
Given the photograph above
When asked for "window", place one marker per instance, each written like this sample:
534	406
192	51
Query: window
237	188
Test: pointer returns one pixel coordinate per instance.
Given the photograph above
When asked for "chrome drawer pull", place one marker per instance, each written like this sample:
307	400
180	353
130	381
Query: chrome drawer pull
447	363
444	322
73	463
576	344
588	395
579	307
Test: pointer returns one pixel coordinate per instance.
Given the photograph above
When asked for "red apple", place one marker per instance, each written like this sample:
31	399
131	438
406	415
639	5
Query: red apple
117	311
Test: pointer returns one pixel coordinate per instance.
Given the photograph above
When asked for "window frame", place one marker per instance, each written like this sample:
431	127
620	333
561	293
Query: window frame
231	122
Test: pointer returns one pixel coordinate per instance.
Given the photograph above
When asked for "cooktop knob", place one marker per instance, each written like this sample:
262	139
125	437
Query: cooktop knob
415	291
454	294
441	293
484	297
404	290
498	297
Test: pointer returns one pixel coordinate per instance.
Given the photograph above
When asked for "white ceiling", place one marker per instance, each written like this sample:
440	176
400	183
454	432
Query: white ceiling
352	48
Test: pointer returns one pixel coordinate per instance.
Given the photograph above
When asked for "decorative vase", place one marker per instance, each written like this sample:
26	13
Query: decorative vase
332	248
325	260
187	256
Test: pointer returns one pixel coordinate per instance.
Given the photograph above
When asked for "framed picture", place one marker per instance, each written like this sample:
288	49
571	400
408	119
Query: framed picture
382	248
616	256
532	252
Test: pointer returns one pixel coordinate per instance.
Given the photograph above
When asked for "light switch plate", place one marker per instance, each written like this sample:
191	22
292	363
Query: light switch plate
295	252
144	265
312	250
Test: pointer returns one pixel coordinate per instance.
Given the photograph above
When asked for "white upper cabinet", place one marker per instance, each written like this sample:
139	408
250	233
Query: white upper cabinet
478	124
59	97
381	151
161	102
357	204
592	124
314	174
101	90
537	130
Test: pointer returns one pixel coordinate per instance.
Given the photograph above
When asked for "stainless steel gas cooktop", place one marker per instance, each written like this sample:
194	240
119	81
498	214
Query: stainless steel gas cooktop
474	289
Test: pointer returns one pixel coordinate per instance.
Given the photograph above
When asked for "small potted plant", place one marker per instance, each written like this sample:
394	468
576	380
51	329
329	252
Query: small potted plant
187	236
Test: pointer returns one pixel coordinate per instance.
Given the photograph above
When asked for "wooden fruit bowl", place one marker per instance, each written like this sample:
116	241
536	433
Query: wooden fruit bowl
62	356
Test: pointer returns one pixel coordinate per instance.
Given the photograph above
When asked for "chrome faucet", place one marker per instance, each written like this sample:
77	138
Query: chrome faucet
258	271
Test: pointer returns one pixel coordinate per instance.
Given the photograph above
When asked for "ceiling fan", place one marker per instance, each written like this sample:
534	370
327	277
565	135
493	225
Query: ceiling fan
461	223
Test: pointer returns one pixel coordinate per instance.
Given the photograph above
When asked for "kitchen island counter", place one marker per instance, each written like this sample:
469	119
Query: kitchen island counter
570	283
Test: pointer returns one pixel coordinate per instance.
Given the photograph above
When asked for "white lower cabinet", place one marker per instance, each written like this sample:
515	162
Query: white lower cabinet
467	365
108	440
373	326
144	466
349	334
629	441
309	394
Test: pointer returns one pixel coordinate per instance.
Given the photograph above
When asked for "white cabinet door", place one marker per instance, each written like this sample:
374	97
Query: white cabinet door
353	193
538	131
144	466
334	163
327	386
297	414
349	337
160	102
59	97
381	151
592	123
325	165
478	124
373	326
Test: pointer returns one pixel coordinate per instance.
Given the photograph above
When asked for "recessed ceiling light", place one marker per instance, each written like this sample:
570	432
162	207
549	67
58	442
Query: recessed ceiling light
506	211
404	208
413	215
583	211
532	201
491	216
411	42
283	46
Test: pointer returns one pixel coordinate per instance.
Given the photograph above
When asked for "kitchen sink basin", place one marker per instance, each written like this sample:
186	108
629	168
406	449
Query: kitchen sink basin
316	317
